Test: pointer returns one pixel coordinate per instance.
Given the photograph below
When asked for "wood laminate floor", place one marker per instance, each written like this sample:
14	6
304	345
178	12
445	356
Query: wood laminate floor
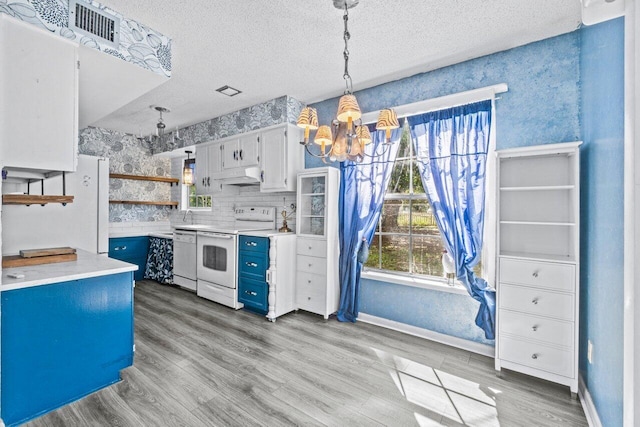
201	364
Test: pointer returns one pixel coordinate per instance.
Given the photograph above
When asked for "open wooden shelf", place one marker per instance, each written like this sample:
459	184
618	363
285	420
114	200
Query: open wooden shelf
143	202
145	178
31	199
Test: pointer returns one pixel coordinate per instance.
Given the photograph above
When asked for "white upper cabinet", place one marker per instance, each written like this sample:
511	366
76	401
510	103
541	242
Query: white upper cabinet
241	151
208	162
38	98
282	158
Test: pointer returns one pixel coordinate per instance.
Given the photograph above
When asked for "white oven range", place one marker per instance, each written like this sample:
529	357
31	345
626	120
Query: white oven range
217	252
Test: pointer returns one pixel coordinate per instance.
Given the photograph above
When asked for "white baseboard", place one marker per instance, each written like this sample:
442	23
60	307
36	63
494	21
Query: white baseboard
474	347
587	404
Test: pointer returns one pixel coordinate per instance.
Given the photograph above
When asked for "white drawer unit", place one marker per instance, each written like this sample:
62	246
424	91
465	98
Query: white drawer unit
317	250
537	301
538	197
537	274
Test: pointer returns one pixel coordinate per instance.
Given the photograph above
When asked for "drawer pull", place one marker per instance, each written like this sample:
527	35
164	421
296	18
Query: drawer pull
534	356
535	274
310	265
309	281
253	294
534	301
251	243
251	264
310	248
309	298
534	328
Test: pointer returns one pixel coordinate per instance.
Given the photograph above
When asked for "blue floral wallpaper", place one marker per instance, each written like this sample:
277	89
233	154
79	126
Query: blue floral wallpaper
279	110
139	44
128	155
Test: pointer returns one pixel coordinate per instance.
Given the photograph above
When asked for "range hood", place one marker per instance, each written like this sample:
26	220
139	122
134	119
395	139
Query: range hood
238	176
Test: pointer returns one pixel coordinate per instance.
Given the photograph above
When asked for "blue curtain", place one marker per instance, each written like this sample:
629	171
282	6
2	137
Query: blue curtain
362	188
451	149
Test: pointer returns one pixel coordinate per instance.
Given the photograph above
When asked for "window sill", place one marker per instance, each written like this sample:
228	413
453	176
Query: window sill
416	282
196	209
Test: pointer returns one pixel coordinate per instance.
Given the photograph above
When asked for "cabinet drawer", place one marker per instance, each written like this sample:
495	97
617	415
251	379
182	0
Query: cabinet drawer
128	245
538	274
254	244
537	356
312	264
537	328
537	301
309	284
252	264
253	294
312	247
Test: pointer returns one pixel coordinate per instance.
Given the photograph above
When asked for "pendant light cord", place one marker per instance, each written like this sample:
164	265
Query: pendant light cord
345	53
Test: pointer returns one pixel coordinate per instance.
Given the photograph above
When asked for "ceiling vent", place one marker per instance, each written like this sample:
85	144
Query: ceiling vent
91	21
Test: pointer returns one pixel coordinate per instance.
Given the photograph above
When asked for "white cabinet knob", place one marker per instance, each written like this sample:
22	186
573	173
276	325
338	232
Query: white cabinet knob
535	274
534	301
534	328
534	356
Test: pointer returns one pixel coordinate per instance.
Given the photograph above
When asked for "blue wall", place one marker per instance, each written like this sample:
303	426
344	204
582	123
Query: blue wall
602	71
541	106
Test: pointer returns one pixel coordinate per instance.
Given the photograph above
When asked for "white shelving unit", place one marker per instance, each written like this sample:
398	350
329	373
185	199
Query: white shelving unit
538	261
318	289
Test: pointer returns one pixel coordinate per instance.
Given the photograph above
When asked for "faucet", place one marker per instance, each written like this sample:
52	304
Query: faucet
184	218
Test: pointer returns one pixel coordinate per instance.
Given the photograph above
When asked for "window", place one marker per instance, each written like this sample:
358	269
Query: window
190	198
407	239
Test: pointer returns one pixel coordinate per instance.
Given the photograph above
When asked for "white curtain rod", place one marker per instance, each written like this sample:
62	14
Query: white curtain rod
442	102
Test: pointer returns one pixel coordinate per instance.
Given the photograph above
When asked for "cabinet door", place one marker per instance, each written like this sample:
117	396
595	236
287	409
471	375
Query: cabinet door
312	205
230	154
39	101
202	170
214	157
273	175
248	150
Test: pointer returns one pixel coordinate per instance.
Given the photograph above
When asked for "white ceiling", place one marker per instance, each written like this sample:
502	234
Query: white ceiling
272	48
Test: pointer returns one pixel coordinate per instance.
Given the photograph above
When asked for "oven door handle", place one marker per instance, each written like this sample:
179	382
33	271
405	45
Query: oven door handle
216	235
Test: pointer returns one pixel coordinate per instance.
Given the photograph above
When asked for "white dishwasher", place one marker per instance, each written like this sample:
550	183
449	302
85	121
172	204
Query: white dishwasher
184	259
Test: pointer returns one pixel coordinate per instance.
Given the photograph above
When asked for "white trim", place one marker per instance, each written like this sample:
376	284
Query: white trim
442	102
587	404
474	347
415	282
631	335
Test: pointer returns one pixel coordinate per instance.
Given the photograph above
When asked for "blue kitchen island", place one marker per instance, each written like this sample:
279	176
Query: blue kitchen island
67	330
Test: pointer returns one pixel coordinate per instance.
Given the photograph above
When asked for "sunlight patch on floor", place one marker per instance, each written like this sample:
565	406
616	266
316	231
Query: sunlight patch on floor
460	401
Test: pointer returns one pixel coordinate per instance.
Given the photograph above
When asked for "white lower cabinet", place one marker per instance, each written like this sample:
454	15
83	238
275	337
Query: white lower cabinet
317	250
538	289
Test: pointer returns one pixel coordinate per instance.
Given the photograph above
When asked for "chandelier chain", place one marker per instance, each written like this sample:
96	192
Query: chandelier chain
345	53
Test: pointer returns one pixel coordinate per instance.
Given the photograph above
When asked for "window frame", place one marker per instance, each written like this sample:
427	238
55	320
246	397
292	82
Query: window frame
185	190
489	255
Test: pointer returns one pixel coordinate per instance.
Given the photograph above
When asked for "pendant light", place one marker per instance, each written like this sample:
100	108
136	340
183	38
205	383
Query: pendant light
346	135
187	170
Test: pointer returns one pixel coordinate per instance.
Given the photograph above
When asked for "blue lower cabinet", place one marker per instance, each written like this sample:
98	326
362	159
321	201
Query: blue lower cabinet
63	341
133	250
253	262
253	294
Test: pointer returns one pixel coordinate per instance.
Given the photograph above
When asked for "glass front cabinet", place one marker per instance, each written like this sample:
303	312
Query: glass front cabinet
317	249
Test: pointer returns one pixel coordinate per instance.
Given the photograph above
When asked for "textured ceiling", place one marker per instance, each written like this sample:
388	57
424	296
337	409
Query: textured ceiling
272	48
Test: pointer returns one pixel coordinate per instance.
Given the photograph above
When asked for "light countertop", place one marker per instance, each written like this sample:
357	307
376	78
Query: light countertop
87	265
167	234
264	233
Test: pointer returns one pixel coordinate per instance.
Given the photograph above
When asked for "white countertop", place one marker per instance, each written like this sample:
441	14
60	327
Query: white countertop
87	265
134	233
264	233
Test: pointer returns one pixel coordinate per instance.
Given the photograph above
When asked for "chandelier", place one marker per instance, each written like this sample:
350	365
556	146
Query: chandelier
346	135
158	140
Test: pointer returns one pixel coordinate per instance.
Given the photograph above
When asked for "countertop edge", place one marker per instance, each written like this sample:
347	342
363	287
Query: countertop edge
88	265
